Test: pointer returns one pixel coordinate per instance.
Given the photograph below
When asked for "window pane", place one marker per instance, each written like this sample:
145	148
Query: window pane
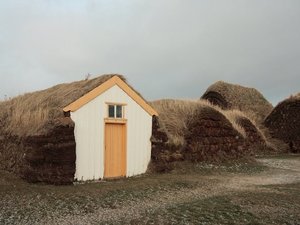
119	111
111	111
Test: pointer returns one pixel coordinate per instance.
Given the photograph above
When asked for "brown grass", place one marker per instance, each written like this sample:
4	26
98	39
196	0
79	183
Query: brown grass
295	96
291	98
29	114
248	100
283	124
174	114
233	116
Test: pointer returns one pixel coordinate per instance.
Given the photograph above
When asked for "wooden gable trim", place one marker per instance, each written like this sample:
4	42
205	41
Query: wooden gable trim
105	86
136	97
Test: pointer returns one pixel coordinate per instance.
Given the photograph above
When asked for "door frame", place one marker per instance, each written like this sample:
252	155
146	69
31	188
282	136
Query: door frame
121	122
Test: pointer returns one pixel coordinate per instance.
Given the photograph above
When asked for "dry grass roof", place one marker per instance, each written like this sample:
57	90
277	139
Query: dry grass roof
284	121
248	100
295	96
28	114
291	99
173	116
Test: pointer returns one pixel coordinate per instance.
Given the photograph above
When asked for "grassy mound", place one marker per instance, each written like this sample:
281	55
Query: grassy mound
284	122
231	96
201	131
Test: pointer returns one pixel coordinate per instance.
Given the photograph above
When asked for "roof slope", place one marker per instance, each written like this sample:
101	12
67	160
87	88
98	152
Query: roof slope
105	86
174	114
295	96
232	96
33	113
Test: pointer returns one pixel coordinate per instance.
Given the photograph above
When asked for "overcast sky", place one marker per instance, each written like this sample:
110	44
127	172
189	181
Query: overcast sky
165	48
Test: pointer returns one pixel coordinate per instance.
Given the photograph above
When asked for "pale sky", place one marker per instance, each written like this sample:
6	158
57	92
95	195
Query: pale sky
165	48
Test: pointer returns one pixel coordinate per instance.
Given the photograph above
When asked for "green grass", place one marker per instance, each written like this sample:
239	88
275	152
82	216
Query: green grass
282	156
23	203
247	167
214	210
279	204
239	208
27	202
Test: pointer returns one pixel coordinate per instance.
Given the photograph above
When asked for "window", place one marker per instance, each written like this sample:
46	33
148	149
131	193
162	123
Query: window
119	111
115	111
111	111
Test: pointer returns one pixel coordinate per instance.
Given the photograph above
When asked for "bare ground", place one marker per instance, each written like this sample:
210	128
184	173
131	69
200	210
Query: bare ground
263	192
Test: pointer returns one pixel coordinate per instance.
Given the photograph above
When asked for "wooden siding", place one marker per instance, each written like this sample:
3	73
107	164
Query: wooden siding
89	135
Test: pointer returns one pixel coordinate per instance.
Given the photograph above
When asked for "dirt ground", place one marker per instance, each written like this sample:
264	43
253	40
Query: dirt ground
266	191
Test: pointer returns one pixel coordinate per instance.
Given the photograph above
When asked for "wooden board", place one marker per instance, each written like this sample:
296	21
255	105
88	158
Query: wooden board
115	150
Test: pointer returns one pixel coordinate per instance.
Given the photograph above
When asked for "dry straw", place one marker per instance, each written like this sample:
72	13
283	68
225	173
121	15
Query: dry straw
174	115
29	114
245	99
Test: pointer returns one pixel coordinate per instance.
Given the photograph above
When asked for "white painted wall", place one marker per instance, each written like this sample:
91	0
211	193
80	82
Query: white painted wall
89	135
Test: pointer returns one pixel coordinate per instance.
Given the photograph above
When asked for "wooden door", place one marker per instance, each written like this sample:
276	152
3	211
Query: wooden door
115	150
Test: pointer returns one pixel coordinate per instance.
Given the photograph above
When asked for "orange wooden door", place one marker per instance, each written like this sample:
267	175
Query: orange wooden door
115	150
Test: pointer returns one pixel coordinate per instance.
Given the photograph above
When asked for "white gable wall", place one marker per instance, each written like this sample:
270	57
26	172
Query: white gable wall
89	135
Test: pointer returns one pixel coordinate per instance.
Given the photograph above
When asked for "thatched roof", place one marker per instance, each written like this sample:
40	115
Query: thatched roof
174	114
31	113
284	122
232	96
294	97
199	131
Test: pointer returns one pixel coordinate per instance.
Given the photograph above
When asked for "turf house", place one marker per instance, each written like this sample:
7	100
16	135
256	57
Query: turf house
233	96
199	131
284	122
85	130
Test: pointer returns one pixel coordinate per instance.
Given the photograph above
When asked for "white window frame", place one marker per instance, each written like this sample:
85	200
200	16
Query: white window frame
115	110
